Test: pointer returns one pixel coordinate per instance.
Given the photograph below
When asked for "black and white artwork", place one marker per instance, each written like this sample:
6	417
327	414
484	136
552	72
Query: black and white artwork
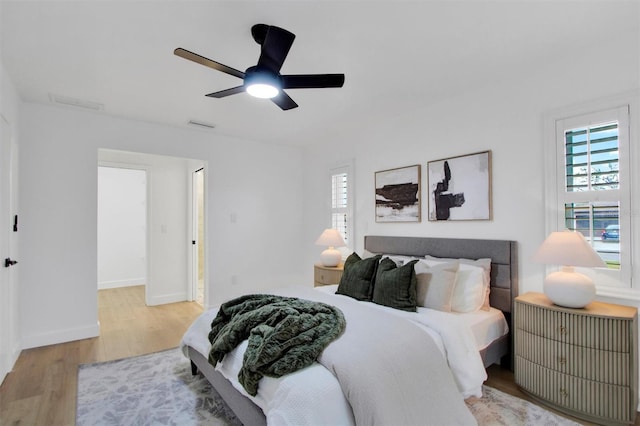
460	187
398	195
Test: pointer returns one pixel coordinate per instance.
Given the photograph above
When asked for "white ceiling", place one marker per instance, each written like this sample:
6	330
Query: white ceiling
396	55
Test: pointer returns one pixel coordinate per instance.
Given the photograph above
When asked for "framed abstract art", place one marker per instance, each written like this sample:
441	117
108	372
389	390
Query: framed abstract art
460	187
398	195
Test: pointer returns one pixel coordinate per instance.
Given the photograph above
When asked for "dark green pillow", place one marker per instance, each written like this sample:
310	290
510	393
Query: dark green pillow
357	277
395	286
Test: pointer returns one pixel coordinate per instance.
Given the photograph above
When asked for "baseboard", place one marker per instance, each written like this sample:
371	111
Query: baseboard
167	298
15	353
104	285
61	336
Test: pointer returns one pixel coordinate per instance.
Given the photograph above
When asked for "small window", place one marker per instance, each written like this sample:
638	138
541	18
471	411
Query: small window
592	158
339	204
600	224
342	205
592	166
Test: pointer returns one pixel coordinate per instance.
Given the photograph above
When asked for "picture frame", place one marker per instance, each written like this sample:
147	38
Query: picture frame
460	187
397	194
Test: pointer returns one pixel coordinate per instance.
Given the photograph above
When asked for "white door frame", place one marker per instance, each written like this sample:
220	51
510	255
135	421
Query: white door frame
193	293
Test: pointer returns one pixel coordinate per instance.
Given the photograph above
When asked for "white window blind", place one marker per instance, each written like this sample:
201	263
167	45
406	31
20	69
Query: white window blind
339	204
342	204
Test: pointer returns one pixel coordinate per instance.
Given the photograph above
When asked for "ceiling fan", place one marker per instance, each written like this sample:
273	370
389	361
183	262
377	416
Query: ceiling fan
264	79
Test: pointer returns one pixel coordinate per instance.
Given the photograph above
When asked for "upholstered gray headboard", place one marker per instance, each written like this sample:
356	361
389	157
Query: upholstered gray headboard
503	254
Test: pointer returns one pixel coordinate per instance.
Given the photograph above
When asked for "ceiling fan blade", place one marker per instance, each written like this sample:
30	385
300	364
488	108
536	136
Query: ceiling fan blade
183	53
311	81
275	45
227	92
284	101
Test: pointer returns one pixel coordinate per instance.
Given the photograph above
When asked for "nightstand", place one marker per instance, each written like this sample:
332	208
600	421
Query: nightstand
583	362
326	275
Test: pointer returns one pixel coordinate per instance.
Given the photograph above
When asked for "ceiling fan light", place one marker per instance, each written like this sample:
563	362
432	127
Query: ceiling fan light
262	90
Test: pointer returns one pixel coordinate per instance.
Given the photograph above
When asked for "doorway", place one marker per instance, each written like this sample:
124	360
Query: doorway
170	223
197	242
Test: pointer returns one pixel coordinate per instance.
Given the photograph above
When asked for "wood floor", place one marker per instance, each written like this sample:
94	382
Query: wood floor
41	390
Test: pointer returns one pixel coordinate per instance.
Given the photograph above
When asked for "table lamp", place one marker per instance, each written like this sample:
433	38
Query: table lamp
567	287
330	238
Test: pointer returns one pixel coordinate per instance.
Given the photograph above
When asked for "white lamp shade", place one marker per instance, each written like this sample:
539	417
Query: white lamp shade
567	287
330	238
568	248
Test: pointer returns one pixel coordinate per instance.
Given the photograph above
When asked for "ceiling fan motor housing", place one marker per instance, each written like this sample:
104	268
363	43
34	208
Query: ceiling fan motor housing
262	75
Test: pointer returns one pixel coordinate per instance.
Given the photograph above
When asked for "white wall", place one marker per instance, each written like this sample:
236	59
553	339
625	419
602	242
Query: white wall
253	193
505	117
122	227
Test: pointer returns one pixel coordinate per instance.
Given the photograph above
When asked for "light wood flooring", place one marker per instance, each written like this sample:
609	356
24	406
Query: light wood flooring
41	390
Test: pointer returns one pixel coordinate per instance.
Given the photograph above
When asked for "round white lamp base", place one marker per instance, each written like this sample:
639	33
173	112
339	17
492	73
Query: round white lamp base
330	257
569	289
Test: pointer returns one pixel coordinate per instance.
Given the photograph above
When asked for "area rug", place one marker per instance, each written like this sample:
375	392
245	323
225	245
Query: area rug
153	389
158	389
498	408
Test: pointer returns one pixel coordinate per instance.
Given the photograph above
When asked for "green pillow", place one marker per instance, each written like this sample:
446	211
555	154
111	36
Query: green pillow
395	286
357	277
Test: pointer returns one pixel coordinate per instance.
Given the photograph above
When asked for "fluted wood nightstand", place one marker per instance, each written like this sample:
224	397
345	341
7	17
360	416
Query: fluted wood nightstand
583	362
326	275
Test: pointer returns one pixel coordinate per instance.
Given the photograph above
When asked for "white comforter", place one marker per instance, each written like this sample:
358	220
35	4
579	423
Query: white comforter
420	392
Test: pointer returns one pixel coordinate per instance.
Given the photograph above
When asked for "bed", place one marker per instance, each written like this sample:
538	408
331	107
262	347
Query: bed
251	411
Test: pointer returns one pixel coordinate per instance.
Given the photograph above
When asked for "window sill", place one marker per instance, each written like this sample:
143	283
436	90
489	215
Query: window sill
622	294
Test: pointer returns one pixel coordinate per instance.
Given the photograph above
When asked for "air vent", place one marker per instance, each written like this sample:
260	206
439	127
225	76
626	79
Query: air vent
78	103
201	124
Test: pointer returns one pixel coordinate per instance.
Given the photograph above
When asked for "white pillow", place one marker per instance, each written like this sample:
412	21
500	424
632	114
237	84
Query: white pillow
435	284
399	259
484	264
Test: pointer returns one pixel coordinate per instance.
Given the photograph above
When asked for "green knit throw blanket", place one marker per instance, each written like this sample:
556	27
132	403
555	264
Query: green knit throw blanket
285	334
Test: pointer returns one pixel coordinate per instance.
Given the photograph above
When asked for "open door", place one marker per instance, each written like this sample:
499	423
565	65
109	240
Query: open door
8	249
198	239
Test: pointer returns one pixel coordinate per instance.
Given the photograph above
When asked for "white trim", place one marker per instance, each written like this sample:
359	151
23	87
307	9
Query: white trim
167	298
61	336
193	225
130	282
345	166
15	353
621	295
191	252
630	100
205	208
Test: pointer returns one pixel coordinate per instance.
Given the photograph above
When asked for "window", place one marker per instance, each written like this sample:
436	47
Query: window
591	185
592	172
341	204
